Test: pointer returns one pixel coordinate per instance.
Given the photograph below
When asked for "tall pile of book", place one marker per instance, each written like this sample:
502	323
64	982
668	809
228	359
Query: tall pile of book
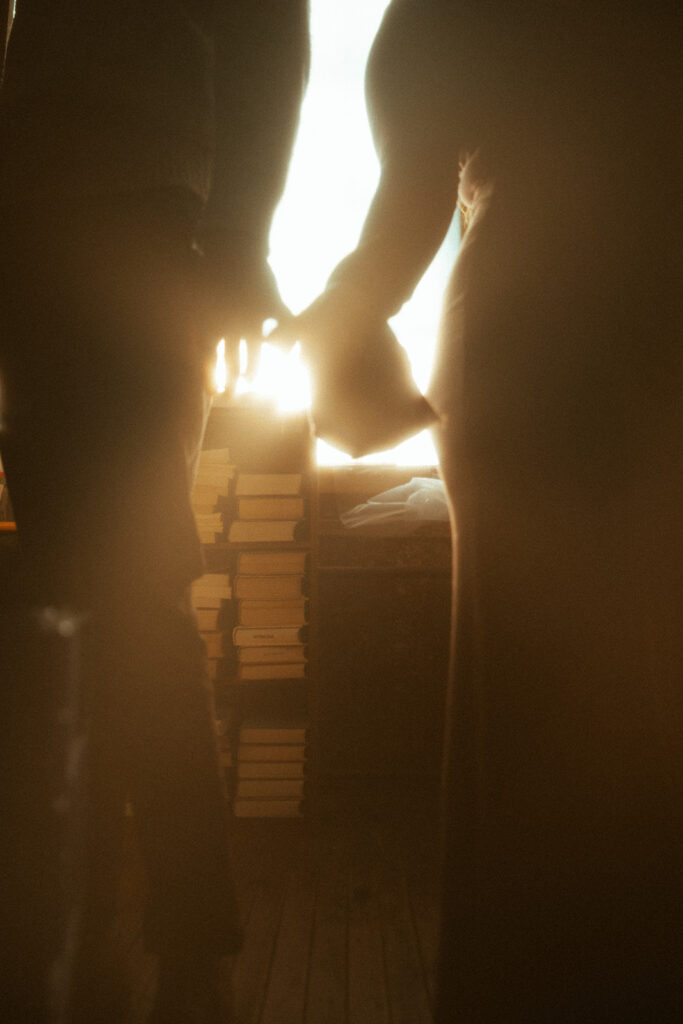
270	585
212	593
258	637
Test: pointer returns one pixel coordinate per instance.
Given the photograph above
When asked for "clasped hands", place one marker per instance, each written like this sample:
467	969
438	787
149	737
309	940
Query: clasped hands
364	398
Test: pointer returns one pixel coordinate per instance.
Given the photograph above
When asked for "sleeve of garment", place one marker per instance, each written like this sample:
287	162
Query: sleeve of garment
261	70
413	115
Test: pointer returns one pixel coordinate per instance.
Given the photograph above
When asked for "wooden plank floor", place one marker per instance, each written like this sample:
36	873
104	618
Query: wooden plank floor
340	911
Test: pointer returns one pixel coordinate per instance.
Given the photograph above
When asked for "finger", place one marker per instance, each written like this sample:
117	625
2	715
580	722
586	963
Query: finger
284	334
232	359
253	346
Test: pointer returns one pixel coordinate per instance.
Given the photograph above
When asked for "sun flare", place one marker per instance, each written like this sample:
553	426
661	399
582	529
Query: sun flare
332	177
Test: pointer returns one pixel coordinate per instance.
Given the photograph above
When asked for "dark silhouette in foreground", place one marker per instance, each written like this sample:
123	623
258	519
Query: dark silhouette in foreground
143	149
559	386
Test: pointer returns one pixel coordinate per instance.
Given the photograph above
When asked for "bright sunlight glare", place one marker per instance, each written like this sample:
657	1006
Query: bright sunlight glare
332	177
220	374
279	376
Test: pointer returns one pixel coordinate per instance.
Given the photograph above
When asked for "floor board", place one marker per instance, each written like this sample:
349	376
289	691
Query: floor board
340	911
327	964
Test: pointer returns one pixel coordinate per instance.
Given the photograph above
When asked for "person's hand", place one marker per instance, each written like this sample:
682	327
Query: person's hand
364	398
328	328
238	296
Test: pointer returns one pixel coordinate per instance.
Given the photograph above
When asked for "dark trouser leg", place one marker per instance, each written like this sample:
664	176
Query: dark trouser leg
102	393
42	772
563	876
155	722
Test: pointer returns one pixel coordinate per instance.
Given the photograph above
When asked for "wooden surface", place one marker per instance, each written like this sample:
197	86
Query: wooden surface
383	629
340	912
381	687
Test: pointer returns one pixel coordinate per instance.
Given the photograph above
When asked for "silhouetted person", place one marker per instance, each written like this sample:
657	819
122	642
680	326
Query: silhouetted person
559	385
143	149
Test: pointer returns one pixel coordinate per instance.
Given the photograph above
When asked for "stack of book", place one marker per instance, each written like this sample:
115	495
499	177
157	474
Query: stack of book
271	585
259	643
212	593
270	525
211	596
268	507
271	758
210	492
271	608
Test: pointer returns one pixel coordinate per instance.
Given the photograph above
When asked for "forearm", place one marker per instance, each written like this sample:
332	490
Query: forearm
408	219
411	110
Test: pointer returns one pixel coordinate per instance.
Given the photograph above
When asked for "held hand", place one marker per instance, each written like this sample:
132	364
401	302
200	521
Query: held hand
364	397
236	298
331	325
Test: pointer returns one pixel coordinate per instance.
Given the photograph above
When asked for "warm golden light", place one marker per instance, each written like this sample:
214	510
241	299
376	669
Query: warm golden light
283	378
332	178
220	373
331	181
279	375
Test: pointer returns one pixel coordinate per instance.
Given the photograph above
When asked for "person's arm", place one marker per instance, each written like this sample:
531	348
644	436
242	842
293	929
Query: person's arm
410	104
364	397
412	118
261	71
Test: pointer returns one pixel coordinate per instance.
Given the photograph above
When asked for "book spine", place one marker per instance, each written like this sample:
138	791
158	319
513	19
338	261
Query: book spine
286	670
271	752
270	507
271	770
283	587
268	484
269	788
267	531
273	562
210	589
265	734
277	655
272	613
248	636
